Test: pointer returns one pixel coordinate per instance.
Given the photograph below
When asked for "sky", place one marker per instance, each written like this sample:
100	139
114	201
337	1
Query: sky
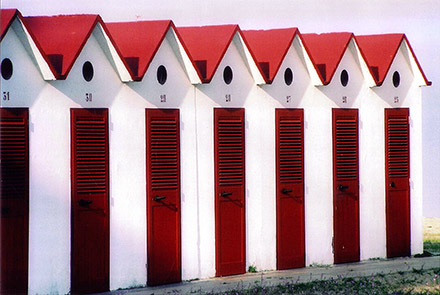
418	19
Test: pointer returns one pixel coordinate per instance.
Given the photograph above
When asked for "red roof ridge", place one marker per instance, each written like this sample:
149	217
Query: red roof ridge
270	55
7	16
216	37
137	49
379	54
326	61
61	38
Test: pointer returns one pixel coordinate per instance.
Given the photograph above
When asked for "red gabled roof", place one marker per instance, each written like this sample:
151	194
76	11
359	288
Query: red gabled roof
326	51
269	48
379	52
61	38
6	18
206	46
139	42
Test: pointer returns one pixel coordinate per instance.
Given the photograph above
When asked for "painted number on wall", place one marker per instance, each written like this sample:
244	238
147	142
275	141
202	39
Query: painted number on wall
89	97
5	95
396	99
228	98
288	98
163	98
344	99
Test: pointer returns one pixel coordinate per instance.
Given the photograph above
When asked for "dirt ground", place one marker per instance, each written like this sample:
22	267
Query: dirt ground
431	229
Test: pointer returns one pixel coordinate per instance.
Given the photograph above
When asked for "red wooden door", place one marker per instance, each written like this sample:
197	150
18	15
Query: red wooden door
163	196
14	198
229	147
345	185
290	188
90	206
397	182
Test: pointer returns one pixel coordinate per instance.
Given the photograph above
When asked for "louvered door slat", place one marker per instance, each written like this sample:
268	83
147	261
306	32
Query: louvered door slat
91	136
291	155
398	146
14	153
230	151
346	148
164	154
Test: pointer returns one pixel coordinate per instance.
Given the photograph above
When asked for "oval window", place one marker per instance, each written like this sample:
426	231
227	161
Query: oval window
88	71
288	76
344	78
161	75
6	68
396	79
227	75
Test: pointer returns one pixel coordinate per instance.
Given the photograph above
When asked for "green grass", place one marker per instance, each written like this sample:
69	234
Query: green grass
406	283
432	246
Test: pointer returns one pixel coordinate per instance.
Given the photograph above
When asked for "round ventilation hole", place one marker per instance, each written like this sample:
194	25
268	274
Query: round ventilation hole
6	68
88	71
161	75
227	75
344	78
396	79
288	76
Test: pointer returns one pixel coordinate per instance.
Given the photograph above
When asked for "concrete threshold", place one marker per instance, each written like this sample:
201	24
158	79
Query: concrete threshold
300	275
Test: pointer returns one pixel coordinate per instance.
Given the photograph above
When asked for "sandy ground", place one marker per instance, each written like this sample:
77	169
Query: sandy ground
431	229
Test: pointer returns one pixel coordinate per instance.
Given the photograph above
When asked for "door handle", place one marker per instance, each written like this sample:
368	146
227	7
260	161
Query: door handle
286	191
225	194
158	199
84	203
342	187
392	184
